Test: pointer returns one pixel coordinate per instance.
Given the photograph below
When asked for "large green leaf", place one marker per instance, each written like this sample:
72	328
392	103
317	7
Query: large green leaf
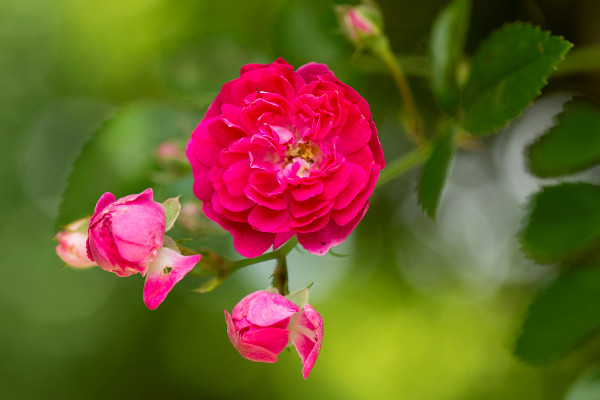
435	172
563	222
120	157
447	41
562	317
572	145
508	72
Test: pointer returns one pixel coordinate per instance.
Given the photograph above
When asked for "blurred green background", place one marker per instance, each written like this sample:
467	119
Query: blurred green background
417	310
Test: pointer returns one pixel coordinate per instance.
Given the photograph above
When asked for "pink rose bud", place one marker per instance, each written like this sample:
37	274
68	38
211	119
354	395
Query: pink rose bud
283	153
169	152
360	23
263	323
125	235
169	268
72	244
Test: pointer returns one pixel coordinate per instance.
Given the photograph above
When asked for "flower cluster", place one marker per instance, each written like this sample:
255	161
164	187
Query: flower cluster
126	237
282	153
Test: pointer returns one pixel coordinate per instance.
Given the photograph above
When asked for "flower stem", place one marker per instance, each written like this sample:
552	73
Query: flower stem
414	125
276	254
404	164
280	276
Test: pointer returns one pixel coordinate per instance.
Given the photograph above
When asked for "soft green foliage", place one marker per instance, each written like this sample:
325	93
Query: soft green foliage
563	222
572	145
120	156
435	172
586	387
448	37
508	72
562	317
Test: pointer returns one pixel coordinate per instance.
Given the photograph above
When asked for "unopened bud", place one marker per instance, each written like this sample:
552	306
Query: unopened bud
71	244
360	24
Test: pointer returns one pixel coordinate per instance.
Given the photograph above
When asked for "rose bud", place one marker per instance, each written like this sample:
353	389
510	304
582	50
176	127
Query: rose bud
262	324
125	235
360	24
283	153
71	246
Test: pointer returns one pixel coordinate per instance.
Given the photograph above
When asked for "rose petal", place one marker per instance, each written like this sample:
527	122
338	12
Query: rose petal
248	351
307	336
169	268
320	242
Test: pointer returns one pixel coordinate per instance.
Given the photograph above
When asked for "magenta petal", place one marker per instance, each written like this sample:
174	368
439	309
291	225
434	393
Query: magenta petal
271	338
305	192
266	308
307	336
358	180
169	268
248	351
106	199
266	220
344	216
321	241
281	238
311	71
236	176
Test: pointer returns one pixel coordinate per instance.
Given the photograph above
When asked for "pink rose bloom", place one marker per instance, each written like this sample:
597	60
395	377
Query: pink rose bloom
282	153
125	235
262	324
72	244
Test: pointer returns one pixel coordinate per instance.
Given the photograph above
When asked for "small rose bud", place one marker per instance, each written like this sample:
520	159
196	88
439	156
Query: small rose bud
360	24
71	246
125	235
263	323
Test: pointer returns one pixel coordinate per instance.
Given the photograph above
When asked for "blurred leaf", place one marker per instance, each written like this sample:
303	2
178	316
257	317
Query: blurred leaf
587	387
172	209
561	318
210	285
447	41
508	72
120	157
572	145
563	222
435	172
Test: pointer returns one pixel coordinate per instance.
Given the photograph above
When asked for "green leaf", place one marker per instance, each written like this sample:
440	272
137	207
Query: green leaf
120	156
508	72
447	42
562	318
299	297
570	146
435	172
172	209
210	284
563	222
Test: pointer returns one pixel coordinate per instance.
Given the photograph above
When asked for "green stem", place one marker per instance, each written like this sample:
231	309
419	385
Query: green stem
414	126
404	164
281	252
280	276
579	60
